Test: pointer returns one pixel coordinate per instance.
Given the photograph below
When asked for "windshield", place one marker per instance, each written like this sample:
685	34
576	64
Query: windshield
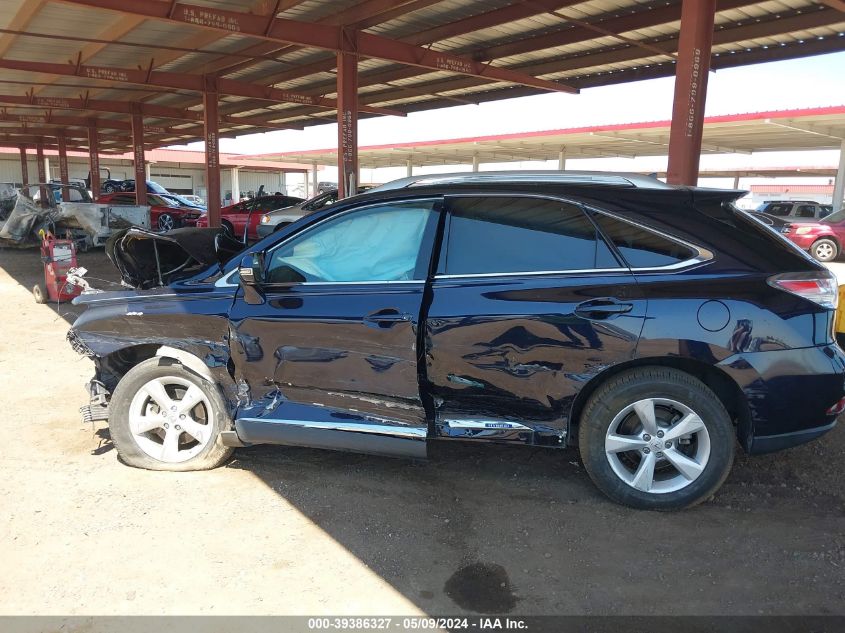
155	187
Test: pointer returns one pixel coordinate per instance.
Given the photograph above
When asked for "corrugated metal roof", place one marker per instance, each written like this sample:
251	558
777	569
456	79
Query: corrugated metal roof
568	43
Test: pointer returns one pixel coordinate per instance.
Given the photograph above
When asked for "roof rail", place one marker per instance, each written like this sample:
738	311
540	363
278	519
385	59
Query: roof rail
552	177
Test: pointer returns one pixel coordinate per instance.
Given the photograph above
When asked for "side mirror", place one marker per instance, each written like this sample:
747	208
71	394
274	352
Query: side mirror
251	269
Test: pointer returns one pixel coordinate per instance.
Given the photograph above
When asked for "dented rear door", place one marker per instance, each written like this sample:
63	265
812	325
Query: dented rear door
529	304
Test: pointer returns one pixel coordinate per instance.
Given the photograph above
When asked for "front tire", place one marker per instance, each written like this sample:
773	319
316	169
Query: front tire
163	416
656	438
824	250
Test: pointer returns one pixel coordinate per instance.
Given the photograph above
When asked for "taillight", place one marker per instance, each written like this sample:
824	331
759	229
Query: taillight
818	286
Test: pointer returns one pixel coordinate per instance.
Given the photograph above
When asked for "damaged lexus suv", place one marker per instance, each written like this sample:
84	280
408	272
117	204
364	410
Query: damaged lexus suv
650	326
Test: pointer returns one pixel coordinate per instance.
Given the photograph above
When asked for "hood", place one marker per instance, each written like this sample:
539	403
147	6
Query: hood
146	259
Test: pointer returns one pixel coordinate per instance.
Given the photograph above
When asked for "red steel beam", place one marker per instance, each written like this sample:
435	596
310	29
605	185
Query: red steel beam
694	48
64	174
212	155
164	79
347	124
24	166
100	105
94	156
138	157
328	37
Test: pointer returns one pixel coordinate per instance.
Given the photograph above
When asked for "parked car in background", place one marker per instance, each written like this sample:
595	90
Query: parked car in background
794	209
323	187
77	191
817	238
165	214
194	199
651	326
235	217
112	186
275	220
184	201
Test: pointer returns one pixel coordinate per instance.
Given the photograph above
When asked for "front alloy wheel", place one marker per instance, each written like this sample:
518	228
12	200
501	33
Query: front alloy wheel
163	416
656	438
169	419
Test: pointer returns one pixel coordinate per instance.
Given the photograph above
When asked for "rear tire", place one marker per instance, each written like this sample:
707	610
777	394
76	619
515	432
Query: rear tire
656	438
824	250
159	393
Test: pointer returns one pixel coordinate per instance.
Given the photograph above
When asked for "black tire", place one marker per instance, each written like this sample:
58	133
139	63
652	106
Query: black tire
39	293
280	226
110	188
628	387
824	250
130	452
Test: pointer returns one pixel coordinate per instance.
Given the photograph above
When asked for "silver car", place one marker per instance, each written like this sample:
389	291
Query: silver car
280	218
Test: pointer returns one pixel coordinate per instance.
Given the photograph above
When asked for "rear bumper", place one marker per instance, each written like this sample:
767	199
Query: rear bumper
771	443
792	395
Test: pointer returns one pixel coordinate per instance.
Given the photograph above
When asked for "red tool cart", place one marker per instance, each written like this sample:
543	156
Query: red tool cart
58	256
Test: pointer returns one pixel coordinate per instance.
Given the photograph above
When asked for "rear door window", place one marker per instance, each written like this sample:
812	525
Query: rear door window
503	235
640	247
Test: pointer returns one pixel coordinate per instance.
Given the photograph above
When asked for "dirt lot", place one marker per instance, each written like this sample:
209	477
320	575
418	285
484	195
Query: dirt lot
283	530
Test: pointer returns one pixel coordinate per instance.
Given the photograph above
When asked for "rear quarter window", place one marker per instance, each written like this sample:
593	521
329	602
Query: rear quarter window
640	247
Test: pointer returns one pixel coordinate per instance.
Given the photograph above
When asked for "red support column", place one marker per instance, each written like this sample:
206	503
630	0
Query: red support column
24	167
212	152
347	124
42	171
64	176
138	156
693	65
94	158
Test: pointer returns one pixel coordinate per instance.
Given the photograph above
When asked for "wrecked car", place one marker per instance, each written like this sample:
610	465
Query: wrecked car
649	326
40	206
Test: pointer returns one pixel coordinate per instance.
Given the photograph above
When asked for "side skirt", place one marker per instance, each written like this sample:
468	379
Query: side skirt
358	437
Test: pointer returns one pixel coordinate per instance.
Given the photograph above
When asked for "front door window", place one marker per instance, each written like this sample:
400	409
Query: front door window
377	244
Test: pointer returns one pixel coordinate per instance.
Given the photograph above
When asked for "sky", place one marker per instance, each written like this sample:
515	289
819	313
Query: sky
799	83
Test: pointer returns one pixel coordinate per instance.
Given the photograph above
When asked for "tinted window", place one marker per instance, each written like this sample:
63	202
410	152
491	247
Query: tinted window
375	244
512	235
806	211
779	209
123	200
642	248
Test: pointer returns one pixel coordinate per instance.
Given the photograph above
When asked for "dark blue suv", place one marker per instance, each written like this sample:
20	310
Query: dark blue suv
650	326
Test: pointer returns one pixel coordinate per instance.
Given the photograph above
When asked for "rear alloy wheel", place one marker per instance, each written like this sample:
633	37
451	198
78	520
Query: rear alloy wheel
824	250
166	222
163	416
656	438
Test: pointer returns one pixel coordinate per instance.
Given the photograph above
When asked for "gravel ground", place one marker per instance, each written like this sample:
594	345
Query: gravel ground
297	531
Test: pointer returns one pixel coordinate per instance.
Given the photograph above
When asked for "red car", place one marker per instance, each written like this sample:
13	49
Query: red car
817	238
164	213
235	216
821	239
